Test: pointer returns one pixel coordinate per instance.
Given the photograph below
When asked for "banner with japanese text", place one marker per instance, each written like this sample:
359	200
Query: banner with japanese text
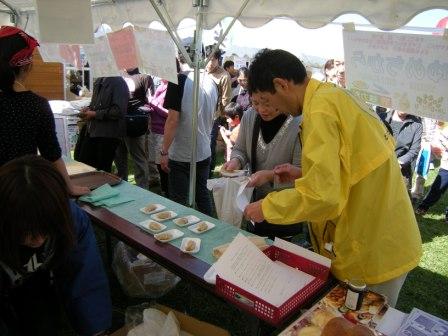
407	72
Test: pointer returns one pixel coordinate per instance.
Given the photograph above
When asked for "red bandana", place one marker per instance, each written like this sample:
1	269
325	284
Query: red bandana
24	56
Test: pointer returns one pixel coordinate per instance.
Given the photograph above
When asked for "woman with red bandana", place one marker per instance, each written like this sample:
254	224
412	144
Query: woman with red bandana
26	120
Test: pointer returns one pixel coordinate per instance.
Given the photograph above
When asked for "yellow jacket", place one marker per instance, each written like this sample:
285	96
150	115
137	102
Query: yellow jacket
351	192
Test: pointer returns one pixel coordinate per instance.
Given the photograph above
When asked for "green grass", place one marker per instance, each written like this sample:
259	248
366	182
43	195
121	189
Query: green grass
426	287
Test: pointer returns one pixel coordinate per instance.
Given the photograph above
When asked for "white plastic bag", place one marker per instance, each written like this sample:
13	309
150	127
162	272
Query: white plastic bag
225	193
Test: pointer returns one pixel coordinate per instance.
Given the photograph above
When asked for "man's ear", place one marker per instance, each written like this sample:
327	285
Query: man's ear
280	84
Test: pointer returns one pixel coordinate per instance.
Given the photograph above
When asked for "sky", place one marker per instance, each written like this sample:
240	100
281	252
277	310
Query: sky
310	44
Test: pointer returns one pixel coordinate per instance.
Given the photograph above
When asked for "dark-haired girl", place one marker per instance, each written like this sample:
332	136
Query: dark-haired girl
48	255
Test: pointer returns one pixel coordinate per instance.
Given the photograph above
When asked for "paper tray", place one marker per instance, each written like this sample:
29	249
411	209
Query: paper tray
266	311
95	179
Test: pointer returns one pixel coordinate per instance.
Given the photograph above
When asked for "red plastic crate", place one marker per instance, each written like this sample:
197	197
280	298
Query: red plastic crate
266	311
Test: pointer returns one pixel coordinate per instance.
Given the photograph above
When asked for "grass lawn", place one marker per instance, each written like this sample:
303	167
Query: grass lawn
426	287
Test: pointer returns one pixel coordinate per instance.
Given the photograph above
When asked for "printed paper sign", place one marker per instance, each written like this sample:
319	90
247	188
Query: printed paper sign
122	44
157	53
407	72
65	21
50	52
101	60
71	54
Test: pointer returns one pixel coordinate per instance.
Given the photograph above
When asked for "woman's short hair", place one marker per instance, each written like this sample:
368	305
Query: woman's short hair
34	201
234	109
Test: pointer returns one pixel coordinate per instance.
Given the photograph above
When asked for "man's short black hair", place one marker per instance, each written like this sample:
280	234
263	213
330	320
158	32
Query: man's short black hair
269	64
228	64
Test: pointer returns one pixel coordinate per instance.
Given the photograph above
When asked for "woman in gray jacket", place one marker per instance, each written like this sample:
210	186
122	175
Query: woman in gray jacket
266	138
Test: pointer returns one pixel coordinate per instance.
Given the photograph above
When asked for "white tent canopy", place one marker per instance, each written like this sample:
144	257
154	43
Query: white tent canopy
384	14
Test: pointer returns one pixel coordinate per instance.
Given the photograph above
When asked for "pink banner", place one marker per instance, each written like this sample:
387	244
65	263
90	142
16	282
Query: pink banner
122	44
71	54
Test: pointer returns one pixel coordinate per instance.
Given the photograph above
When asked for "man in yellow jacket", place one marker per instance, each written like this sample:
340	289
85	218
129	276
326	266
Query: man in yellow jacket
350	188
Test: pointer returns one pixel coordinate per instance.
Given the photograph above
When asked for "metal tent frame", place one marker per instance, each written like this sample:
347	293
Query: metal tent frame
196	64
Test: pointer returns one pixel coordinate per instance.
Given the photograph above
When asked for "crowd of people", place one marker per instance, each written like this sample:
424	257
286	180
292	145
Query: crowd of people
315	153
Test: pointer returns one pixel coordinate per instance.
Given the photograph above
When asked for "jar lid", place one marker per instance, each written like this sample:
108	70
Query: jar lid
357	284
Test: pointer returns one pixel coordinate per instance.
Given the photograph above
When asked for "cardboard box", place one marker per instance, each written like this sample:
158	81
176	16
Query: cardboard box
187	323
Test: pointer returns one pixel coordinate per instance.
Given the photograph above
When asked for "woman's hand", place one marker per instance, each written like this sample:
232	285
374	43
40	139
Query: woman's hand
286	173
261	177
233	164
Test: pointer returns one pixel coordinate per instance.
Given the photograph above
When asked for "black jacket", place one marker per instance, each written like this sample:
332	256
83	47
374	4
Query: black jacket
408	139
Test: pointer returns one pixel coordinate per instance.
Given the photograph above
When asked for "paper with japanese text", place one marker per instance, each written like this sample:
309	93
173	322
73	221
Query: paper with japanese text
65	21
407	72
101	60
122	45
157	53
50	52
71	54
245	266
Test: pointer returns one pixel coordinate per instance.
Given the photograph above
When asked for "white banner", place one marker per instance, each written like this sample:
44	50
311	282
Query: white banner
406	72
65	21
157	53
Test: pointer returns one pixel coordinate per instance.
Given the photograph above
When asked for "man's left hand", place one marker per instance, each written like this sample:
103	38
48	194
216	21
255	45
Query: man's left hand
254	213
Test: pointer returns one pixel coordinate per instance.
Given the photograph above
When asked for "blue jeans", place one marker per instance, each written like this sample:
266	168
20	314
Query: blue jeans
179	181
438	188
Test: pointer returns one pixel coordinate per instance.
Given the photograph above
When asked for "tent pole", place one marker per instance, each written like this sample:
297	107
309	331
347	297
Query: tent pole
171	30
12	11
194	118
224	35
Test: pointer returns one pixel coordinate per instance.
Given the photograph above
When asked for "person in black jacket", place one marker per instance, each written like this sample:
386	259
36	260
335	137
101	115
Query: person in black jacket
407	130
48	255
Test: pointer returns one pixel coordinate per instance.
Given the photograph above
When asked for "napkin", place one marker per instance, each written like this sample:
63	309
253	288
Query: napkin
113	201
106	196
99	194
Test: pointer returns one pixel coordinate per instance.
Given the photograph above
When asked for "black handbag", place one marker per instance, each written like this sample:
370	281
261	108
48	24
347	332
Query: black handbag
137	121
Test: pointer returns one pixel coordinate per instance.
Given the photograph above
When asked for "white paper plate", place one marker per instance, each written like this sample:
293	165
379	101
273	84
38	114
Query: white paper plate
194	227
185	242
145	226
175	233
159	207
234	173
191	220
156	217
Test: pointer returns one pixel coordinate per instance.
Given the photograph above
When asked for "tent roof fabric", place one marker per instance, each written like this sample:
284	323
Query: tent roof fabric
384	14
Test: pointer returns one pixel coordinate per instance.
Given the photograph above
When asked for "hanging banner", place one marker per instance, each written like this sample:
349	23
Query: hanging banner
407	72
157	53
101	60
65	21
71	54
122	44
50	52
